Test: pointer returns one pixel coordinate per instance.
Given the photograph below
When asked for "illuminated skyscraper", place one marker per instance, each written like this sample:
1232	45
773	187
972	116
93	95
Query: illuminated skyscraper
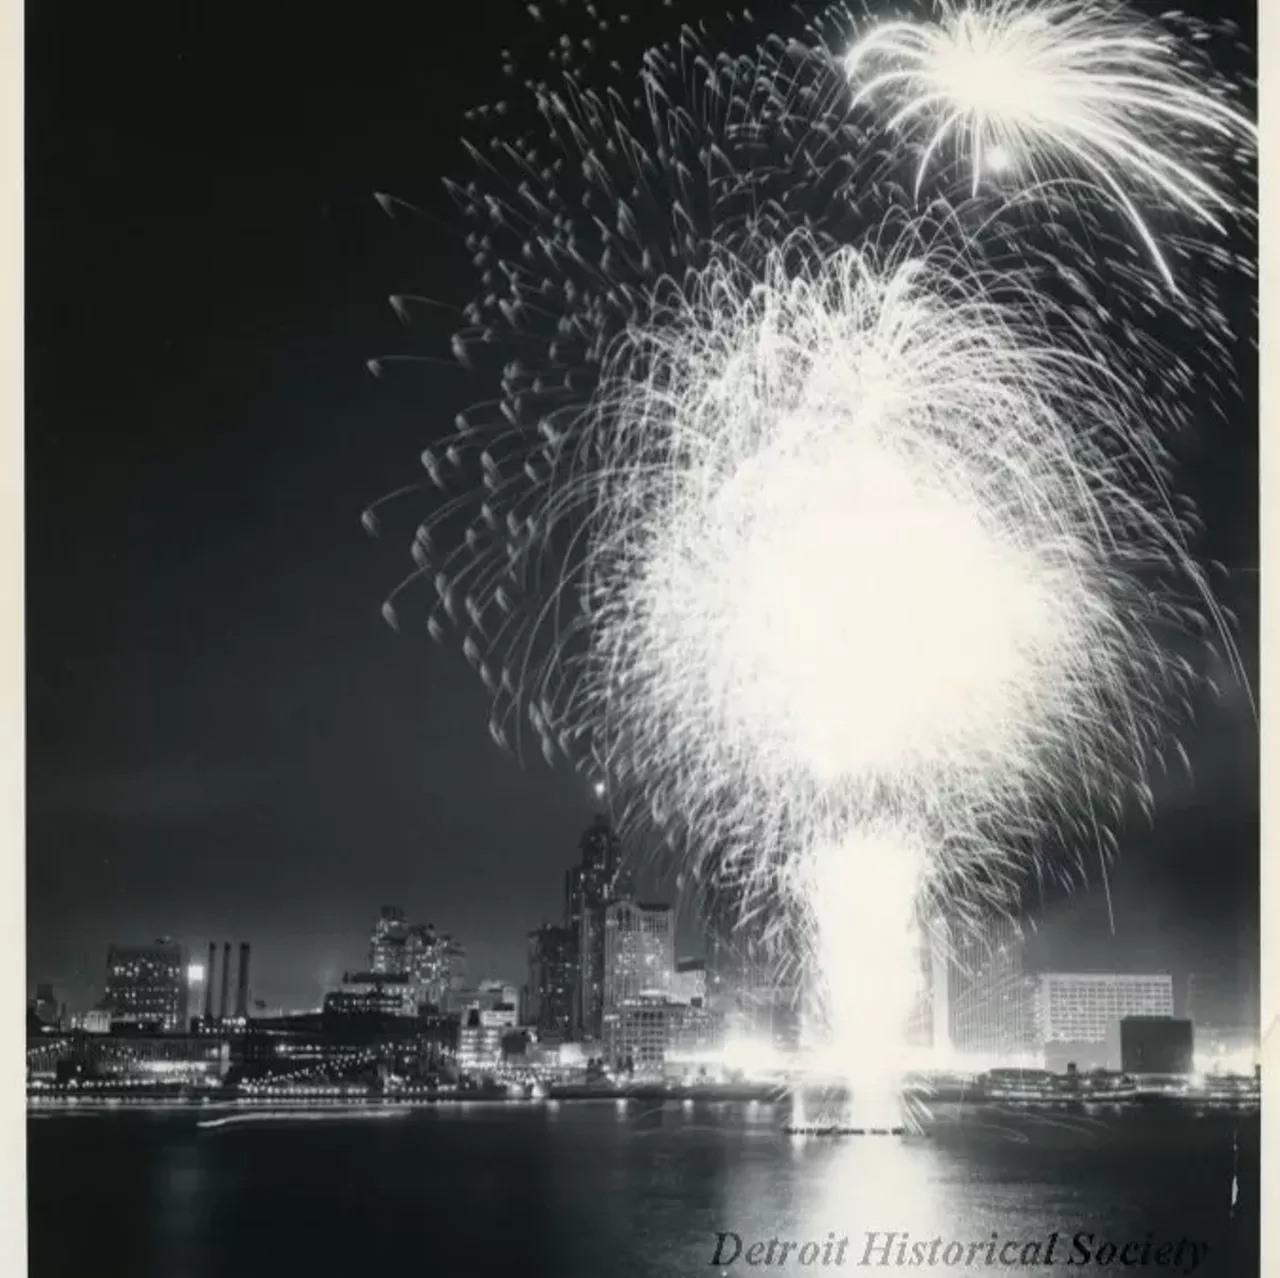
989	993
147	984
388	948
435	963
553	954
639	950
601	855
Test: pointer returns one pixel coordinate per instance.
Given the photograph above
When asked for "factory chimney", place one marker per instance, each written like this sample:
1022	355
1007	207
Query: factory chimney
226	981
242	989
210	972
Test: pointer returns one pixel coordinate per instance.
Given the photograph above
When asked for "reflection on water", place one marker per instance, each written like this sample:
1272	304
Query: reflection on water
626	1188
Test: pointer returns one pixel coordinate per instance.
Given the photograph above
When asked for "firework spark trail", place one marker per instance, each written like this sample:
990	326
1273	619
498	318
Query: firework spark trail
816	549
1047	89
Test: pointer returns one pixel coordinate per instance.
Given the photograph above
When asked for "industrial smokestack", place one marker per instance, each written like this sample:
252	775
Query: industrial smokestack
226	981
242	989
210	971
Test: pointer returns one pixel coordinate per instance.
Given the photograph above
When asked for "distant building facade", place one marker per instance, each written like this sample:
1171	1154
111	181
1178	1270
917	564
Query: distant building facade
553	955
433	962
480	1042
1157	1045
1077	1016
749	984
373	994
495	1002
639	950
689	985
590	893
388	947
989	997
147	985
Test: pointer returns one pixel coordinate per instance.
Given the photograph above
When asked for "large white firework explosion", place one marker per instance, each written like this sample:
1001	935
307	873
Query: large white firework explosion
855	522
838	538
864	577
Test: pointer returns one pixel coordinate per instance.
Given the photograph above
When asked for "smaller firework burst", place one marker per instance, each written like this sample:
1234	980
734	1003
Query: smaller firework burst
1067	94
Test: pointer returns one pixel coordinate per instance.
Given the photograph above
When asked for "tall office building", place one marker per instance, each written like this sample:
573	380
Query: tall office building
553	954
639	950
989	993
600	864
147	984
388	947
435	964
1077	1015
432	961
573	888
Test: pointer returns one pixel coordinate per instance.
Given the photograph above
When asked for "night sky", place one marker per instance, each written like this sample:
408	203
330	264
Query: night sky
225	738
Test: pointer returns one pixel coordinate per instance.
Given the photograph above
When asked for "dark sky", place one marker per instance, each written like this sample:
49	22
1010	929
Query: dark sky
225	739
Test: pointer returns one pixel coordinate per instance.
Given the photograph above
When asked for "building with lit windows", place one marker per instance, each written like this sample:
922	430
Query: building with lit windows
147	985
373	994
757	997
989	997
1077	1016
689	984
639	948
432	961
435	962
388	947
695	1035
480	1043
589	893
497	1003
552	958
637	1034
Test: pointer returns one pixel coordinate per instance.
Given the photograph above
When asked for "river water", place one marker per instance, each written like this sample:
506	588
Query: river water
594	1189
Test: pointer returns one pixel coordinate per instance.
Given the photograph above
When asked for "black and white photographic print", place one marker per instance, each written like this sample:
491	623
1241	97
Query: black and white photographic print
642	639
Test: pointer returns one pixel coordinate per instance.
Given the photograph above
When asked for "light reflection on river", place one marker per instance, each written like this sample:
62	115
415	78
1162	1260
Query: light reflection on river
602	1188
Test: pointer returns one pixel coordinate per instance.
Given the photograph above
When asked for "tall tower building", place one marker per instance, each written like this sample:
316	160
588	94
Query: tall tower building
601	856
989	993
388	947
434	963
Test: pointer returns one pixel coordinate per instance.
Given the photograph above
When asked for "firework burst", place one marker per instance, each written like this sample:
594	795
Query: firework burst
861	539
1045	93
